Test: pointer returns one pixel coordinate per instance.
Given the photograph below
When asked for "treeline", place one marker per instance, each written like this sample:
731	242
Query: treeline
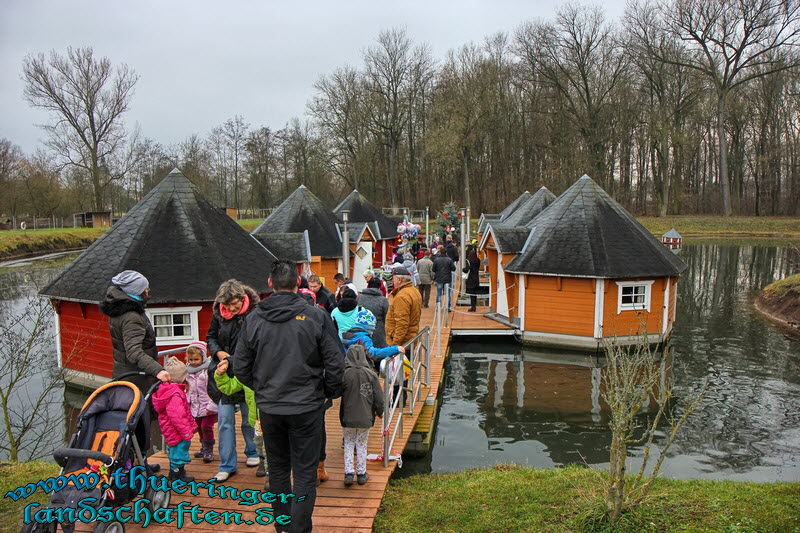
687	107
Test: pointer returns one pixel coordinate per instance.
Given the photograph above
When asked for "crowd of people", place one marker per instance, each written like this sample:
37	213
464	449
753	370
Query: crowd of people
280	361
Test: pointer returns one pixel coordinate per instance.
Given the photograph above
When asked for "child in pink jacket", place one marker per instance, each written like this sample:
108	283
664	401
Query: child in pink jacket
175	418
204	409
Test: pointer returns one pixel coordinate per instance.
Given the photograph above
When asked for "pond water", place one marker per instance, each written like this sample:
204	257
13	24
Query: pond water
504	403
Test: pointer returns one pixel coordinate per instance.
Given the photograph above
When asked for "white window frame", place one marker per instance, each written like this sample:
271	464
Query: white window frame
648	292
183	339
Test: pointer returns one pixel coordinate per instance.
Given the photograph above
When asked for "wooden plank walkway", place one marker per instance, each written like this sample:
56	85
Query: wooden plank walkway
338	508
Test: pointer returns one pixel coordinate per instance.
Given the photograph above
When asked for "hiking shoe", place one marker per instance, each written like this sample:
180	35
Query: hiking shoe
322	474
253	461
199	453
363	478
348	479
262	469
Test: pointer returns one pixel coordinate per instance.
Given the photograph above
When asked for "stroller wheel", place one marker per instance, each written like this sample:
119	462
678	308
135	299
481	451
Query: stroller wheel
158	500
109	527
38	527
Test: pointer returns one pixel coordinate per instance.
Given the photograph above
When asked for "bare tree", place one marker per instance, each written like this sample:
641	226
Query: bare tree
29	380
634	377
11	161
731	42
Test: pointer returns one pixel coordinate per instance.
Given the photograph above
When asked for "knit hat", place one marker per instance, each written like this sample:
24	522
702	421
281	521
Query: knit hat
366	320
131	282
200	345
176	369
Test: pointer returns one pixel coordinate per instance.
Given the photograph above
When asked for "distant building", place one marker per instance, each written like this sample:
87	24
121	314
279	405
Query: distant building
184	245
672	240
92	219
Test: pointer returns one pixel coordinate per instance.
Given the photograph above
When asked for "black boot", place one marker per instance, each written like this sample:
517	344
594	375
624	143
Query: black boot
179	473
262	467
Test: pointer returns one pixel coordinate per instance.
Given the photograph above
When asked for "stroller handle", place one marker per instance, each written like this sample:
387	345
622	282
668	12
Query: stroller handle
62	454
150	391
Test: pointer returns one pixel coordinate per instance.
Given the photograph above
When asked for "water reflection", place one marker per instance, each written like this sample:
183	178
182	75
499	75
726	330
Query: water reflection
505	403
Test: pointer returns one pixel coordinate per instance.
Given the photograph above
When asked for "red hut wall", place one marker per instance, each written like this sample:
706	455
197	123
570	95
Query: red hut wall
86	341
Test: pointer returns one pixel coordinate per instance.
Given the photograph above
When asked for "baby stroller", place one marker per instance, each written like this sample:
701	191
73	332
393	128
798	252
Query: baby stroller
112	431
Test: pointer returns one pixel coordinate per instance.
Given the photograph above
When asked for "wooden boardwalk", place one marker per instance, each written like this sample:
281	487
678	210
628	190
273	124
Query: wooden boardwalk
338	508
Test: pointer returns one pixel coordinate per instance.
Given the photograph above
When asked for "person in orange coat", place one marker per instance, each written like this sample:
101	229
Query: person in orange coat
402	319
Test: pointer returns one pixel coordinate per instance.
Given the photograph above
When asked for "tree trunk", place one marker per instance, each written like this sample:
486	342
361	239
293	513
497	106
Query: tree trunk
723	158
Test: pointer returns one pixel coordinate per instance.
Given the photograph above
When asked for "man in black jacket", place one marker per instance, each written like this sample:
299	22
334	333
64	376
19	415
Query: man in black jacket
443	268
325	298
288	356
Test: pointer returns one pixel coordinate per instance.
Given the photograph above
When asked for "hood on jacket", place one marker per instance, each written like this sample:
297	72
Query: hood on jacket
372	292
164	393
118	303
282	306
356	357
251	295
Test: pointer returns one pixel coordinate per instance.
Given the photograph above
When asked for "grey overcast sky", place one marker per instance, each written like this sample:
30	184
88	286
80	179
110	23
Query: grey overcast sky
201	62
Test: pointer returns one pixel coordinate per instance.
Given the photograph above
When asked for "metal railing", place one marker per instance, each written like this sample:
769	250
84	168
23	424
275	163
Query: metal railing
393	371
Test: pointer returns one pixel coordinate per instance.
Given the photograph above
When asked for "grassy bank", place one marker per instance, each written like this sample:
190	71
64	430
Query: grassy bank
781	301
13	475
525	499
17	243
726	226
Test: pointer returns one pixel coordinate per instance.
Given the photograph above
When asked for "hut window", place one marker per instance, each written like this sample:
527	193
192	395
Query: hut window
634	296
178	324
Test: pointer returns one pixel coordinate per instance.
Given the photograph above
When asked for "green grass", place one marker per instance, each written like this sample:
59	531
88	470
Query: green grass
509	498
781	287
13	475
16	243
716	225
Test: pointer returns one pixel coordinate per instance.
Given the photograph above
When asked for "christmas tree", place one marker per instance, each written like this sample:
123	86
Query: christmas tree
449	221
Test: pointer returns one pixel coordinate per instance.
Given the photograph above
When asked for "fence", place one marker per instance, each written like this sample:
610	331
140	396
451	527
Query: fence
395	389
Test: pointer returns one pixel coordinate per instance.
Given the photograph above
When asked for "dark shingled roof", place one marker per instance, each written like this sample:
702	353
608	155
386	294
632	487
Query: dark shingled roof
586	233
361	210
183	244
509	240
528	210
292	246
356	229
521	199
302	211
485	219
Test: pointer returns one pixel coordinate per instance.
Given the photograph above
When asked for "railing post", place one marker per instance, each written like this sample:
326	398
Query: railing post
428	358
387	409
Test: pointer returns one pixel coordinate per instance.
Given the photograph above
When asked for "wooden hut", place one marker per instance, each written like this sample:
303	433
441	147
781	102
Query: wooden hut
589	270
363	241
672	240
510	208
184	245
92	219
501	242
382	228
303	211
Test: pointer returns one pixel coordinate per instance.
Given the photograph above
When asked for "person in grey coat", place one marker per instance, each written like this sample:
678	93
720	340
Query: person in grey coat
362	399
372	299
425	271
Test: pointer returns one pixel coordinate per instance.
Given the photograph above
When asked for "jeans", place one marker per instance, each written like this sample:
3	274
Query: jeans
293	444
227	436
440	287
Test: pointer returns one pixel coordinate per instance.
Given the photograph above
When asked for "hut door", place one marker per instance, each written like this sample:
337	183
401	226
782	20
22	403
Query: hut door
362	261
502	295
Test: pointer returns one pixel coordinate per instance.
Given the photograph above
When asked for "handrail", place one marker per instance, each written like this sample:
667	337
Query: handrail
393	371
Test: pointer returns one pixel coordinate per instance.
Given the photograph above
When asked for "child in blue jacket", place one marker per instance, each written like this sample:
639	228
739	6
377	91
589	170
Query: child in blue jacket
362	332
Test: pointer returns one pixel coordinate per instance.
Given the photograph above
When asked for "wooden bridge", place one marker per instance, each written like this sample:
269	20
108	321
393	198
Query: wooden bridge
338	508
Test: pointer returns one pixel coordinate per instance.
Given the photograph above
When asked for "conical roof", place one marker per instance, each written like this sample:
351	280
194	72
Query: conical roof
361	210
183	244
301	211
586	233
510	208
528	210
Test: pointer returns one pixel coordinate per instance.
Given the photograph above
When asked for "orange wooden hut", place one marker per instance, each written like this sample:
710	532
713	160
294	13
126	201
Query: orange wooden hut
382	238
589	271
